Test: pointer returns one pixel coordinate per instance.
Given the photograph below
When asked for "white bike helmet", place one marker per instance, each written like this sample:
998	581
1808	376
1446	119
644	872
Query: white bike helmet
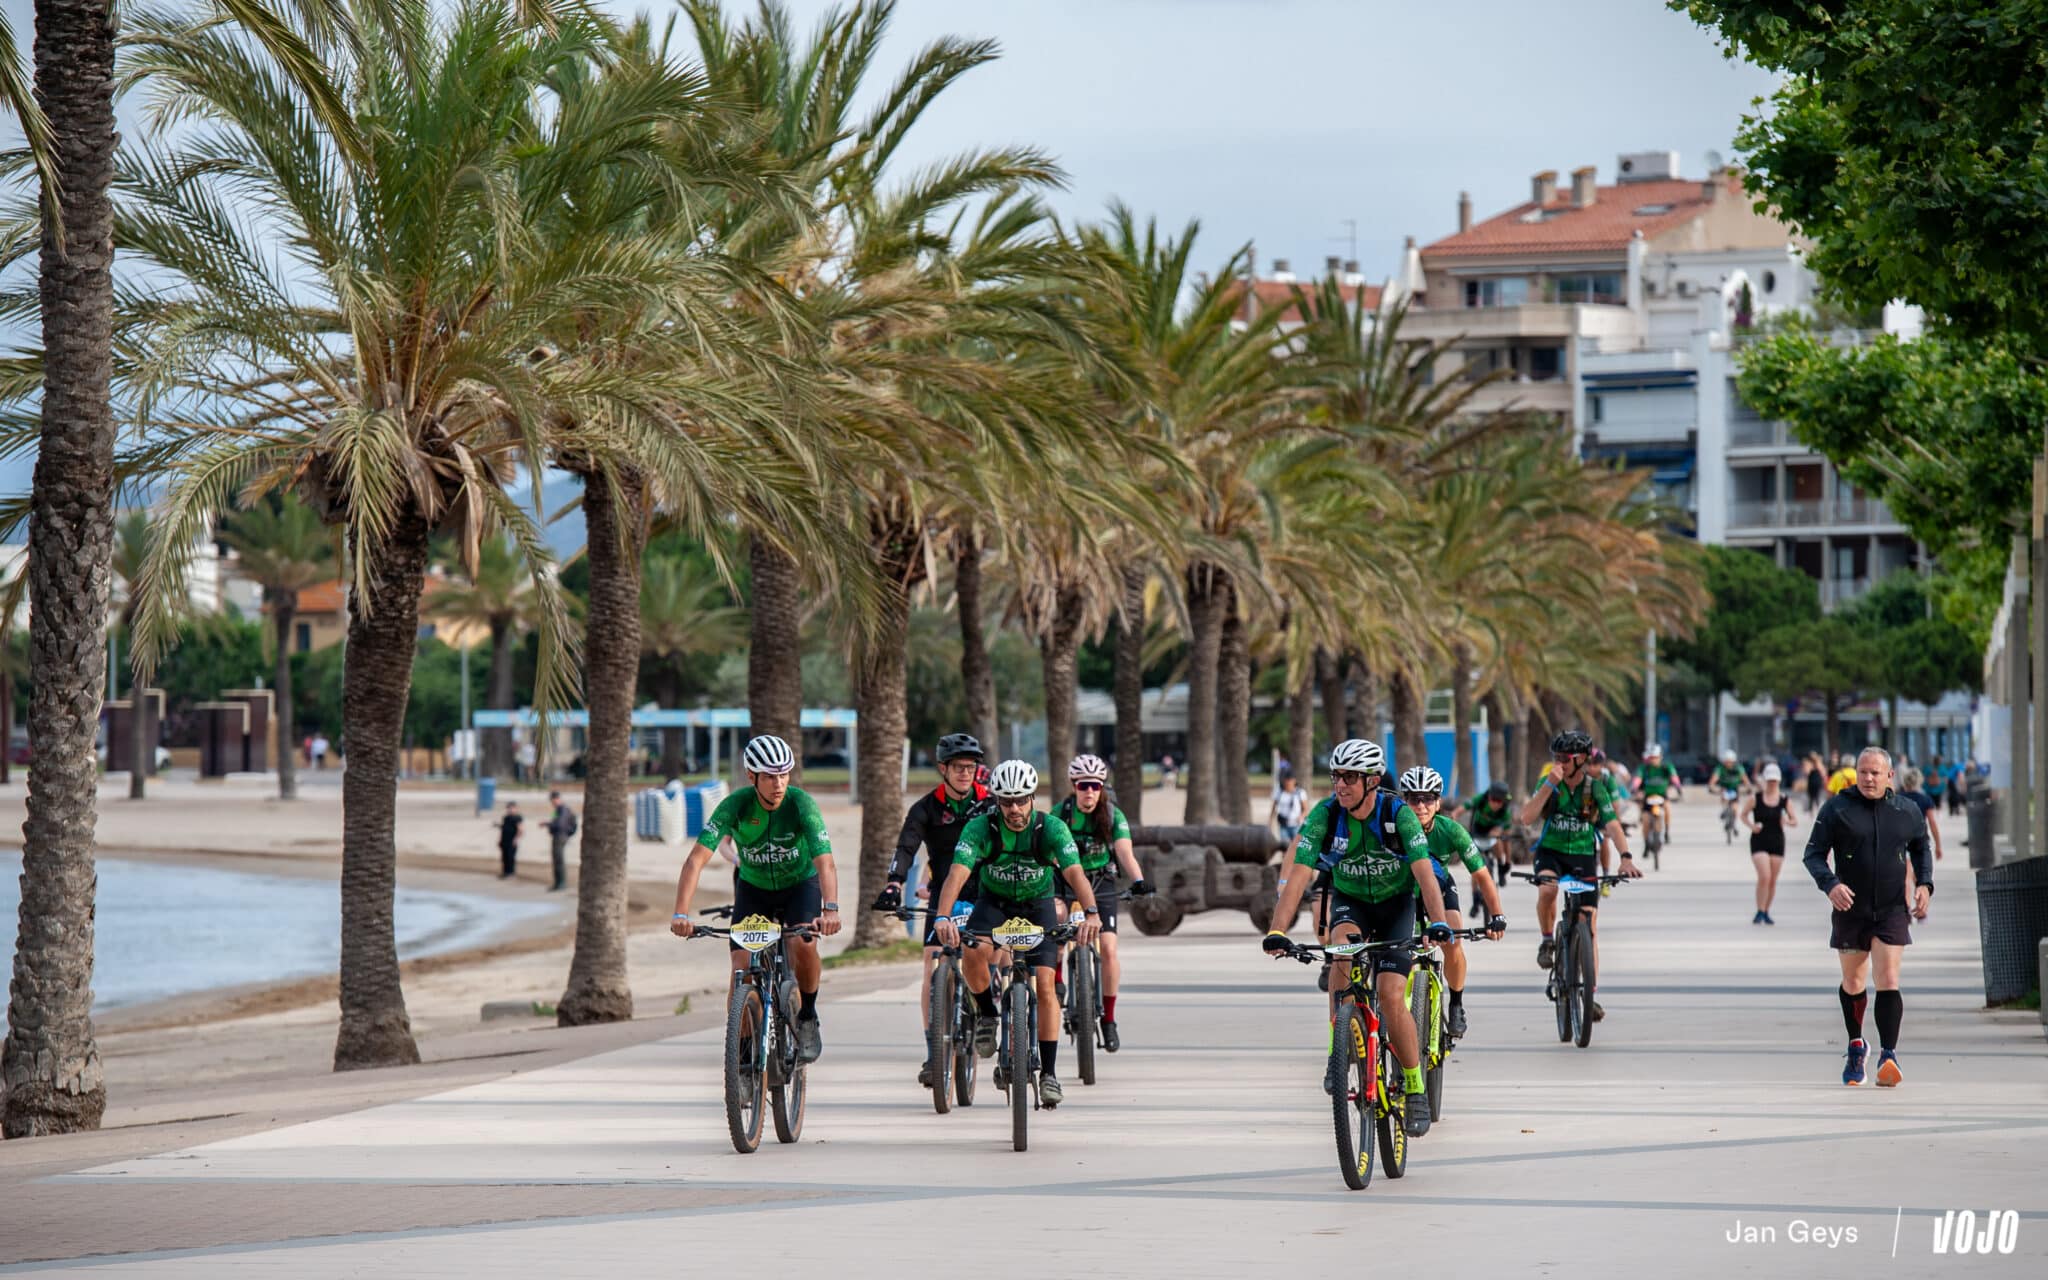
1012	780
1655	751
1422	778
768	754
1359	756
1088	767
1728	757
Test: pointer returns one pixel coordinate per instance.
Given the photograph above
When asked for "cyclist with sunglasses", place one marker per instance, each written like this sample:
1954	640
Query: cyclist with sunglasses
1369	854
1449	842
1020	855
1576	807
1102	834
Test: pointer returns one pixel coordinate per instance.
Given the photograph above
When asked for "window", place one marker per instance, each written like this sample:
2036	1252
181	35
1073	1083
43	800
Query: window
1600	287
1770	282
1504	291
303	639
1593	407
1653	210
1545	363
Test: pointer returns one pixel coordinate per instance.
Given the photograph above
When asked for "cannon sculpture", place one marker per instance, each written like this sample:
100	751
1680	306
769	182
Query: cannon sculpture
1205	868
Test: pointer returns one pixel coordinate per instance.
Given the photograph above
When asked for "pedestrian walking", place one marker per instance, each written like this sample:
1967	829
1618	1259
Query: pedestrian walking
1816	783
1167	776
320	746
1958	787
1768	813
1913	786
527	763
508	840
1870	833
1844	776
561	826
1289	806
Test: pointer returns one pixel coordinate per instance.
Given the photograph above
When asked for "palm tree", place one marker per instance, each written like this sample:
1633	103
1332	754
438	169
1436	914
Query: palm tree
284	549
683	614
496	593
131	554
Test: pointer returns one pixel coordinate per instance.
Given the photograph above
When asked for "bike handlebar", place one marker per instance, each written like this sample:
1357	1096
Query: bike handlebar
1550	877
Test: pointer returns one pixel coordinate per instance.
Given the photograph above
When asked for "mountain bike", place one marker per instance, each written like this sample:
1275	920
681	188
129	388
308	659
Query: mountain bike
1081	1014
1371	1097
949	1024
1728	820
1653	830
1498	852
1016	997
760	1031
1430	1007
1572	979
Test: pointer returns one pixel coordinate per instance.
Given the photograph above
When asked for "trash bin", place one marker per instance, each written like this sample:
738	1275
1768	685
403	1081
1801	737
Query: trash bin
1982	817
2012	918
486	794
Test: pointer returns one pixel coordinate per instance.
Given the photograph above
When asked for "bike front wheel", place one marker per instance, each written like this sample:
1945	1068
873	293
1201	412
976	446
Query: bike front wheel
1561	984
1081	999
744	1030
1425	1006
786	1100
1022	1035
964	1060
1352	1103
1393	1112
1582	980
940	1011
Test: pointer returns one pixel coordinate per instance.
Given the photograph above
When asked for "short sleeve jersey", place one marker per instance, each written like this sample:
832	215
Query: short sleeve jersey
1729	777
1574	817
1841	780
1371	866
1450	843
1009	866
1486	815
1657	778
1095	853
776	846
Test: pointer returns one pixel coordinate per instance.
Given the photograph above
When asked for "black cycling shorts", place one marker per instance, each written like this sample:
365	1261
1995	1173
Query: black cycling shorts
991	911
1855	928
798	904
1105	885
1580	866
1390	921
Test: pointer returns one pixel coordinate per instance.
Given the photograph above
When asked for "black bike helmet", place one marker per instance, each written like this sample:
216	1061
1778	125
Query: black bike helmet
955	745
1572	742
1497	792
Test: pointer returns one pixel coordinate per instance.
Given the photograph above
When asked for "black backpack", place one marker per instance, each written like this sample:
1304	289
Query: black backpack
1386	815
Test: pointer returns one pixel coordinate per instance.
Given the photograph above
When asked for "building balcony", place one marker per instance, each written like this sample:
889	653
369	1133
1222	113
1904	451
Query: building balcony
1527	320
1840	591
1822	515
1553	395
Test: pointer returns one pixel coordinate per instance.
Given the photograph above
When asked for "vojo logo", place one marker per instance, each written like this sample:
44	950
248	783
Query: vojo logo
1961	1231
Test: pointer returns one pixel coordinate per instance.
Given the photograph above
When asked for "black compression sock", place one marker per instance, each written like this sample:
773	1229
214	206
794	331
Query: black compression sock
985	1001
807	1006
1457	999
1048	1051
1852	1011
1891	1010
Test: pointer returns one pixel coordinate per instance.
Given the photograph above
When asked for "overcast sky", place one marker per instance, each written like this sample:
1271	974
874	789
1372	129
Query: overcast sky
1279	121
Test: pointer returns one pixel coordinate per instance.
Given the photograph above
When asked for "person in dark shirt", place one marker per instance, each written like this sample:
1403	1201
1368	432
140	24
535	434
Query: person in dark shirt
1882	874
508	840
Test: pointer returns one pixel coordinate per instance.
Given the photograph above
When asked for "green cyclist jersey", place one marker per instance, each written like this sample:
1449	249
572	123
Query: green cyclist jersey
1573	817
1095	852
1450	843
1486	815
1658	779
776	846
1728	777
1019	866
1363	867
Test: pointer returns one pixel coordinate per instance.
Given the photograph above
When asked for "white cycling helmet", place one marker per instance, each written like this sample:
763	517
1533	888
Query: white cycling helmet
1655	751
1422	778
1359	756
1728	757
768	754
1013	779
1088	767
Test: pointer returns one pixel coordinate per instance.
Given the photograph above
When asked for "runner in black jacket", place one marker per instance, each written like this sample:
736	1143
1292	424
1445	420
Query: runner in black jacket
935	822
1883	873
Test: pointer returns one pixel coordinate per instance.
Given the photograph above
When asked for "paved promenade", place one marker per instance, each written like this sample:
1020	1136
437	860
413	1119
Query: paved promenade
1709	1102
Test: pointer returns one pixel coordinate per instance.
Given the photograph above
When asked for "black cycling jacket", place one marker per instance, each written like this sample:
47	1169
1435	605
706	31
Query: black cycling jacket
1870	841
932	823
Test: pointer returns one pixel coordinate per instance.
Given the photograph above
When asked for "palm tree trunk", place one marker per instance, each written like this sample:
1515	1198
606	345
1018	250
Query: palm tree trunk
879	680
140	756
383	630
1233	718
1059	651
1129	681
616	525
775	683
1465	766
498	741
1520	765
285	605
1410	749
1496	741
1365	697
1208	597
1330	682
50	1072
1301	729
671	685
976	673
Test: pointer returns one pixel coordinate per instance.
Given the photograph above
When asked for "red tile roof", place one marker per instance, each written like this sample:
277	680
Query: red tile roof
1608	224
323	597
1280	293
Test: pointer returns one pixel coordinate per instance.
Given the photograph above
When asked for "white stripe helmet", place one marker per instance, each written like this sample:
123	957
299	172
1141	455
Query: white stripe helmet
1423	778
768	754
1088	767
1013	779
1358	756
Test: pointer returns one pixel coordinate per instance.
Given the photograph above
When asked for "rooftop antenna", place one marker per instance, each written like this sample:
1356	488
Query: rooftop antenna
1350	237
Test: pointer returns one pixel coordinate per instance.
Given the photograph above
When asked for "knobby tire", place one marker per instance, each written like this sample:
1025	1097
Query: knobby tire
1393	1111
1351	1105
743	1084
1582	959
1086	973
941	1010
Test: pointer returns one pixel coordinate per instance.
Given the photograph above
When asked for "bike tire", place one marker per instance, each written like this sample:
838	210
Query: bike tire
1081	999
786	1100
964	1060
1433	1078
1582	959
744	1094
1560	982
941	1009
1352	1104
1022	1034
1422	985
1393	1113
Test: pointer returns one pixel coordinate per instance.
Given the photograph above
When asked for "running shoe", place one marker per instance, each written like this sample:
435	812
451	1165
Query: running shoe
1852	1068
1767	918
1546	953
1888	1073
1758	918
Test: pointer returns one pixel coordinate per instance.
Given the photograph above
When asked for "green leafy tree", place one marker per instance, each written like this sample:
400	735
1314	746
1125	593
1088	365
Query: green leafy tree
1922	655
684	614
1751	595
497	593
1832	661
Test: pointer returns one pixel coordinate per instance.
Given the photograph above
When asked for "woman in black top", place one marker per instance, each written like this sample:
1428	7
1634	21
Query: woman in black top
1816	783
1768	813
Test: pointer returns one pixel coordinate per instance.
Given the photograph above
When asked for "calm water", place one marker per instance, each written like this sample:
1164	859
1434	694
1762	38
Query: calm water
164	929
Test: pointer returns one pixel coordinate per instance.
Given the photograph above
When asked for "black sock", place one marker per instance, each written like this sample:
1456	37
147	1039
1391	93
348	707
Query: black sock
1852	1011
807	1006
1457	998
985	1001
1048	1052
1891	1008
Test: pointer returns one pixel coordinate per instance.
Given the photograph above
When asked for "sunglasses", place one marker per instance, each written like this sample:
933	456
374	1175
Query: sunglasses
1022	802
1568	759
1087	786
1347	778
1421	797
